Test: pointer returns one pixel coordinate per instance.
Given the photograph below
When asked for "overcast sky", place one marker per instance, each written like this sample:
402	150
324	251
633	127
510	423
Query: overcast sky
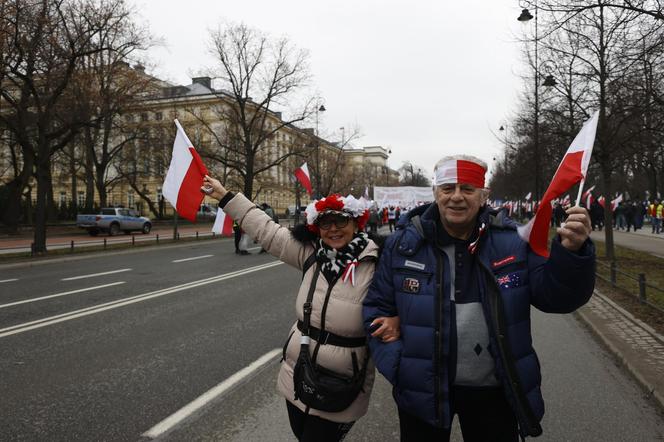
425	78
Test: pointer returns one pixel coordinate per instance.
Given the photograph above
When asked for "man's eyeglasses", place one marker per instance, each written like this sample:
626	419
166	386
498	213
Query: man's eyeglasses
339	221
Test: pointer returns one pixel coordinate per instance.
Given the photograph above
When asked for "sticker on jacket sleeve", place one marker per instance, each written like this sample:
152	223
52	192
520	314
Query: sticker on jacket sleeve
511	280
411	285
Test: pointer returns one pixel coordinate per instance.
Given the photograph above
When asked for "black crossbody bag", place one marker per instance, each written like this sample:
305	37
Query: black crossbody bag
316	386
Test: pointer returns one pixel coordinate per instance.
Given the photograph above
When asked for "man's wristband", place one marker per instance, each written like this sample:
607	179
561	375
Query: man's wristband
222	202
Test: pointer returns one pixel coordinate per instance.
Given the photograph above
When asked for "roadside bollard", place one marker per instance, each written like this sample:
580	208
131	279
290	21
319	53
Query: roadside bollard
104	243
196	235
157	238
32	249
613	273
642	288
71	247
133	240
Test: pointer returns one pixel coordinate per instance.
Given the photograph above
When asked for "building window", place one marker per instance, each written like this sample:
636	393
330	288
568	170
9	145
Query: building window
160	165
81	198
144	116
158	193
158	116
63	199
130	198
146	165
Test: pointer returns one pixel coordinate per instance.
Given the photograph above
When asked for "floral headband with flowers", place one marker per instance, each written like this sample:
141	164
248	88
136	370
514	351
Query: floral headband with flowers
335	203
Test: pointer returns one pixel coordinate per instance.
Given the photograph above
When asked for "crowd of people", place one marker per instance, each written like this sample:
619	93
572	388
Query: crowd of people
441	308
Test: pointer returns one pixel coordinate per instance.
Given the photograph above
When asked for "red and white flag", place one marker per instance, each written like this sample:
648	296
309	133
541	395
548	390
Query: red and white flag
302	174
182	186
587	196
530	194
571	170
223	224
615	202
600	200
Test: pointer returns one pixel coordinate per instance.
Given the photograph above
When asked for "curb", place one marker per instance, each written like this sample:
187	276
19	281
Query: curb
608	343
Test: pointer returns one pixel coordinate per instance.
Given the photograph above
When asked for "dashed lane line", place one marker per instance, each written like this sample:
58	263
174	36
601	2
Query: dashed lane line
195	405
193	258
20	328
92	275
9	280
57	295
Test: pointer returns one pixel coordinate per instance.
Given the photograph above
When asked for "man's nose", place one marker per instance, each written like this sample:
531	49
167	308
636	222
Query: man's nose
457	192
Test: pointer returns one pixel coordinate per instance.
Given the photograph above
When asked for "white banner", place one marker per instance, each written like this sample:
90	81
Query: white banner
405	196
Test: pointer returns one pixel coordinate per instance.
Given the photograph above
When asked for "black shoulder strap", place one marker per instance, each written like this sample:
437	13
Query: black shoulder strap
308	263
306	308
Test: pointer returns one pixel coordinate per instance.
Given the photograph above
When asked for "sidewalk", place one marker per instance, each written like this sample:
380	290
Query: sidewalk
638	347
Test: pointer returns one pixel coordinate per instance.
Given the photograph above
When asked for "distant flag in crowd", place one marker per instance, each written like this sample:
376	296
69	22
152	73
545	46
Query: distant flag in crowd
302	174
223	224
366	192
530	195
600	200
182	186
571	170
616	201
587	196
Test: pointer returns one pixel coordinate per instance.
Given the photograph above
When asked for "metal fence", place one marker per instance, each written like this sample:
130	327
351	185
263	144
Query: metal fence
108	242
639	279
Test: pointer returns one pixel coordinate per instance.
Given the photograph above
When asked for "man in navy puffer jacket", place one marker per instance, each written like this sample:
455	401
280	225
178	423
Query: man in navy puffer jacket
462	282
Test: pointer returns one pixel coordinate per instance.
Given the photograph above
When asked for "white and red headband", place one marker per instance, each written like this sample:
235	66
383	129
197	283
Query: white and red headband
335	203
460	171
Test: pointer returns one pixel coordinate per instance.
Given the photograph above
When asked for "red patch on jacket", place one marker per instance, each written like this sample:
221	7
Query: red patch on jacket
502	262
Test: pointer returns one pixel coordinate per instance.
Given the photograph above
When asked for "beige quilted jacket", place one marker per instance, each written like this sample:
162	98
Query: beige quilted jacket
344	310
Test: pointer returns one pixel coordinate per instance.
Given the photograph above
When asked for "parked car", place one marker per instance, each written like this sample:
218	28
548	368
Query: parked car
206	212
113	220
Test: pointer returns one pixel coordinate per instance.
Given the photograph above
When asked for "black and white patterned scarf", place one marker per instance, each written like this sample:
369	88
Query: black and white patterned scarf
333	261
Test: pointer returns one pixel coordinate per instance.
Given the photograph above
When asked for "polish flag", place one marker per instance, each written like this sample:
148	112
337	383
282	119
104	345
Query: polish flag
302	174
571	170
616	201
530	194
600	200
223	224
182	186
587	196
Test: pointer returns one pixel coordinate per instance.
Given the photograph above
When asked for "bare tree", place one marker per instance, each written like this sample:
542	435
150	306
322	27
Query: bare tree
46	42
259	75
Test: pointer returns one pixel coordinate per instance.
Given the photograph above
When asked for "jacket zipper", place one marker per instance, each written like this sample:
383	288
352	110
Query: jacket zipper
438	339
523	408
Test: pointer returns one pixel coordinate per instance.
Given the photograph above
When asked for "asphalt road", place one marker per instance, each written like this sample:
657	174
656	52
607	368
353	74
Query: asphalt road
109	363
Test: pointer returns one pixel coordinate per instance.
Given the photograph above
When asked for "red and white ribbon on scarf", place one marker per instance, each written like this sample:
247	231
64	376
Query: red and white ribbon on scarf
349	272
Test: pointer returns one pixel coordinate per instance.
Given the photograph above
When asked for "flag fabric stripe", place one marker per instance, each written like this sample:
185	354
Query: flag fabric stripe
223	224
571	170
185	177
302	174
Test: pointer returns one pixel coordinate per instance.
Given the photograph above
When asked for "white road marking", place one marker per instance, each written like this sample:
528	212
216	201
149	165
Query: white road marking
209	395
95	274
191	259
20	328
57	295
9	280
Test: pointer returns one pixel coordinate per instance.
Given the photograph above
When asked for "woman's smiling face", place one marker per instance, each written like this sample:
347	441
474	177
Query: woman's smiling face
336	230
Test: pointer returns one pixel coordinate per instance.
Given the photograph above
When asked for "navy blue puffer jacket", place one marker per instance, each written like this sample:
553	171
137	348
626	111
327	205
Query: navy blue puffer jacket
416	364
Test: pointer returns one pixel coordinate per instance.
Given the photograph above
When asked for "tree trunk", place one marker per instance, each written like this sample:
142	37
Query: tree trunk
249	177
608	213
12	213
74	185
43	175
101	190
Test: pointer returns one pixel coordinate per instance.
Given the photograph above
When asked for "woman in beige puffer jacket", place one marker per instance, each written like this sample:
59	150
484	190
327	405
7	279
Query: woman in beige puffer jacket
335	246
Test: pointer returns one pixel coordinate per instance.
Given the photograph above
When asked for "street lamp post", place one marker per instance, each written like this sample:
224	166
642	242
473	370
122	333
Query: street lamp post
525	17
318	175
